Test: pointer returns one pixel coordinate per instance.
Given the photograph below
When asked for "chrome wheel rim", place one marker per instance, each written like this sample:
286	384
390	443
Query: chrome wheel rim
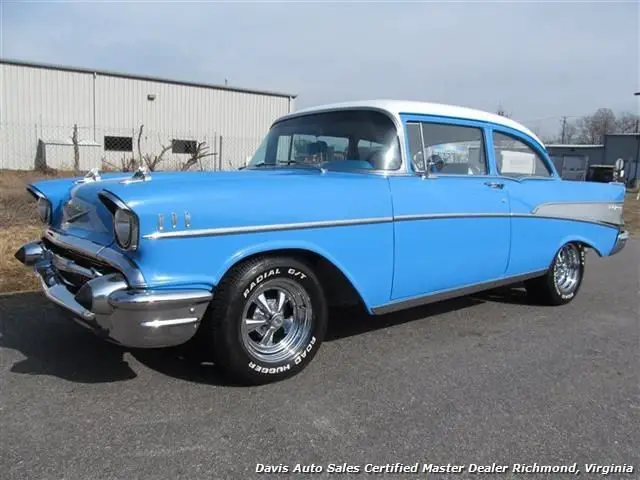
277	321
566	269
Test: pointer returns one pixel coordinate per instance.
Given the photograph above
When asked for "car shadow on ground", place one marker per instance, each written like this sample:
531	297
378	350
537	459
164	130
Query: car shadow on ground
54	345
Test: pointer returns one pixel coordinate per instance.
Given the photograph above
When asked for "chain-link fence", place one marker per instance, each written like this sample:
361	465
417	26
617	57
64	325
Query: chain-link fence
80	147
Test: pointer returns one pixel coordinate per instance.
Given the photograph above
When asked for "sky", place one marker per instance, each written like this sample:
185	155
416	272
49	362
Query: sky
538	60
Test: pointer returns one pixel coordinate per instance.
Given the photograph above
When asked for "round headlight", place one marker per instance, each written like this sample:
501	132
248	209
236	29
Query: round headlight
125	228
44	209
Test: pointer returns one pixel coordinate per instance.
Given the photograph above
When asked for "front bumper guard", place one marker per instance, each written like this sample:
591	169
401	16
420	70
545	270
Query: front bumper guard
133	317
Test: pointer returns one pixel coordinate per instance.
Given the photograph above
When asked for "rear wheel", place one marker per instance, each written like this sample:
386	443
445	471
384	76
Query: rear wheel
563	279
267	320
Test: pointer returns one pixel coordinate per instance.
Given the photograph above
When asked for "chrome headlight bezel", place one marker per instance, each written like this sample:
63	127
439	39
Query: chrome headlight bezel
44	209
126	229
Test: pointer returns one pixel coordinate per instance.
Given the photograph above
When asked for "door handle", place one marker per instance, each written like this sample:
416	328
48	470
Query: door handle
494	185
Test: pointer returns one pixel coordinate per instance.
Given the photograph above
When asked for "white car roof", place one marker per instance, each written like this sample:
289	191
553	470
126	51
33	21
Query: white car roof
397	107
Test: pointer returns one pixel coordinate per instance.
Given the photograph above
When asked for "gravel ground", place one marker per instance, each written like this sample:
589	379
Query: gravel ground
481	379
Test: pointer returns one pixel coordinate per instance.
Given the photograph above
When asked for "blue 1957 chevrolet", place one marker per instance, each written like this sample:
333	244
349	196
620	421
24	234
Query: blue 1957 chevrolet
390	204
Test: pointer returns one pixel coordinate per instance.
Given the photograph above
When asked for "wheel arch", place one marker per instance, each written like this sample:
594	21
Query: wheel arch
580	240
339	285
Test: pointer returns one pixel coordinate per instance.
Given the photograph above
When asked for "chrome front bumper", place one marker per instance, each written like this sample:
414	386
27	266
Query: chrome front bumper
621	241
105	303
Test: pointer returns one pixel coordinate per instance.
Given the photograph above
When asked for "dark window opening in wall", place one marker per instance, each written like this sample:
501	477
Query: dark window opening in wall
183	146
118	144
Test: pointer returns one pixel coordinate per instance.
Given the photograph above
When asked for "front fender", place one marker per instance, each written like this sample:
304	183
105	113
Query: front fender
363	253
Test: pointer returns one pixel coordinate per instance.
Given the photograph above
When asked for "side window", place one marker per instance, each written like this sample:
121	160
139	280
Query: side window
447	149
514	158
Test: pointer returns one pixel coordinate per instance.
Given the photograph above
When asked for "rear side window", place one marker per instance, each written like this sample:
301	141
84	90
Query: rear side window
514	158
447	149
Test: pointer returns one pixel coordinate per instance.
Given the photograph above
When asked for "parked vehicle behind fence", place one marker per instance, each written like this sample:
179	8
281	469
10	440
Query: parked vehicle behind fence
389	204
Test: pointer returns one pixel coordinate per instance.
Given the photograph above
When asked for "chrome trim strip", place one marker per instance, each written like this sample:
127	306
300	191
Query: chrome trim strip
167	323
212	232
452	293
150	299
99	253
436	216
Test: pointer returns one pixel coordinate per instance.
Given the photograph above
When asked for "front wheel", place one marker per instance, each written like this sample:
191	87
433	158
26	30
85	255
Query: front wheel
563	279
267	319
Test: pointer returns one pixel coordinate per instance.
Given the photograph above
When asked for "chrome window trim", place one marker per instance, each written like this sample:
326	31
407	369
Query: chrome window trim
100	253
213	232
401	170
483	142
537	147
452	293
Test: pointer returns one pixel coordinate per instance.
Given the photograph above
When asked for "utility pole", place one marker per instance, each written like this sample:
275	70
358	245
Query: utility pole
637	116
564	128
635	174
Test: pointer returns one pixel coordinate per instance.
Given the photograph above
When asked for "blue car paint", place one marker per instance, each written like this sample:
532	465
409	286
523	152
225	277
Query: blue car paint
523	196
364	253
386	262
438	254
59	191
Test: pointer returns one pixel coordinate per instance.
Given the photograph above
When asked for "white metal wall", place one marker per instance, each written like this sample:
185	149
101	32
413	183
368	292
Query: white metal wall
43	104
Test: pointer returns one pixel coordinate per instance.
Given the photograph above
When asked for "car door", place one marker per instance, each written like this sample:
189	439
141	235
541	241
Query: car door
530	181
451	220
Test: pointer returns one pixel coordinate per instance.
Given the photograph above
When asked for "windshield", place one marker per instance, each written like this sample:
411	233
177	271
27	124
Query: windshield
348	139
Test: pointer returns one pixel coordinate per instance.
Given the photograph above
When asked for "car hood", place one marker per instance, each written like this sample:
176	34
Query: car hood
174	201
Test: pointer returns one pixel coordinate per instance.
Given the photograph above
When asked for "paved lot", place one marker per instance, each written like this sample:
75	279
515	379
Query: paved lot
483	379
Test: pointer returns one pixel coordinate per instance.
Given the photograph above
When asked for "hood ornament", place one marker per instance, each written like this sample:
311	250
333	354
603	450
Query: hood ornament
92	175
140	175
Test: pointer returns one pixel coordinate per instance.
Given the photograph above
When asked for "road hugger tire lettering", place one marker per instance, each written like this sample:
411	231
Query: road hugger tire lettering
267	319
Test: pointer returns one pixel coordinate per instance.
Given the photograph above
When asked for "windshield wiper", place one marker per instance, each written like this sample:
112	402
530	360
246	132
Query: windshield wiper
302	164
288	162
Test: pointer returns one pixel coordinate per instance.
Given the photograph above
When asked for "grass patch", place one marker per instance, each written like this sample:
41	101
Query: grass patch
19	224
632	214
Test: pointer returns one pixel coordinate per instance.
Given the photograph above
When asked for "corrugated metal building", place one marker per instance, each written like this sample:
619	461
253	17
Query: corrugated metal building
42	103
573	161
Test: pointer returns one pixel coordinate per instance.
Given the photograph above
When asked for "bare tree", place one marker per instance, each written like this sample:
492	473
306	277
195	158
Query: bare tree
201	151
593	128
76	149
152	161
628	122
139	139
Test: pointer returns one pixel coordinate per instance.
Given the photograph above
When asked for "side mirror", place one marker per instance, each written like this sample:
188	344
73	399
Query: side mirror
422	166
